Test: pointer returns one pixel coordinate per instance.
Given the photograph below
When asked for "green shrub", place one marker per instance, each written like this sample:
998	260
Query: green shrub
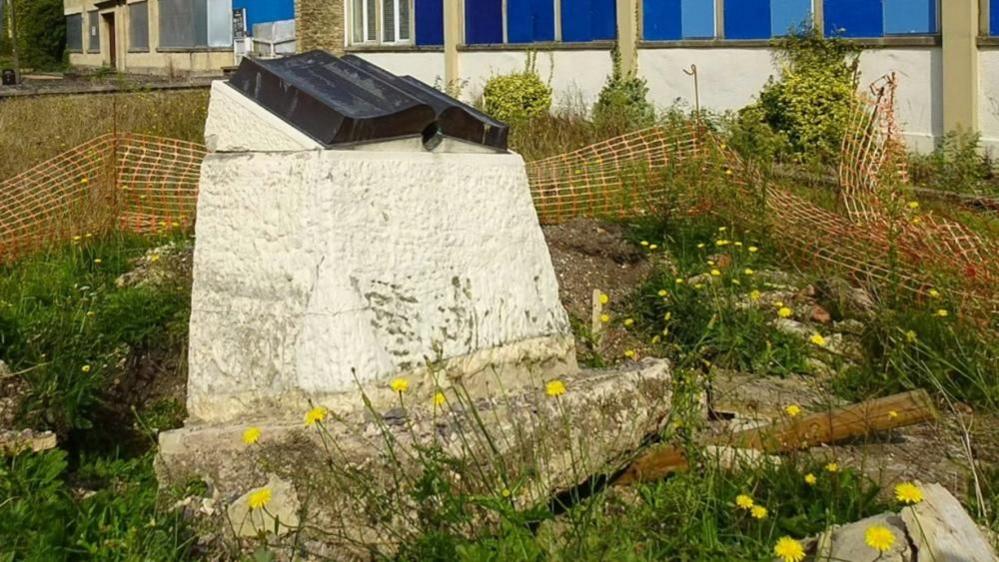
622	104
515	98
41	29
117	520
813	99
956	164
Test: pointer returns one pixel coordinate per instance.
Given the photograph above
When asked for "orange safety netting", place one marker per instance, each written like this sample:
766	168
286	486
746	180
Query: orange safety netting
874	236
134	182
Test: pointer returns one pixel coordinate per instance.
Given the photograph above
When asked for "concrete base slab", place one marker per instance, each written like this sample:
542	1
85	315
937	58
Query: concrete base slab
362	477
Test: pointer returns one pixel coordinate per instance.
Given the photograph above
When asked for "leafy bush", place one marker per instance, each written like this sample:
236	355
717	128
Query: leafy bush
812	100
118	520
622	104
515	98
41	30
957	164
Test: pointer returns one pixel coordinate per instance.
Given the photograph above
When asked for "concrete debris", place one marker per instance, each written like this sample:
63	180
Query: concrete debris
942	531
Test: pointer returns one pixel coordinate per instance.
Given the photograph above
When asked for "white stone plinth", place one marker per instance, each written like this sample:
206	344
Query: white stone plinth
318	270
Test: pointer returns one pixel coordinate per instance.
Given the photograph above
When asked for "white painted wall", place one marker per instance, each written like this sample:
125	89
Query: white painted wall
988	91
576	76
919	101
427	67
730	79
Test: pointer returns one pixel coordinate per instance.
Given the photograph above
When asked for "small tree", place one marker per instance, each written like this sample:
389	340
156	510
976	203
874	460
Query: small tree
622	103
515	98
41	30
811	103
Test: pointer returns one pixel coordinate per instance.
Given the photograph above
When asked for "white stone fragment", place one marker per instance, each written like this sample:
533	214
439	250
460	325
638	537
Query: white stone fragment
237	124
943	531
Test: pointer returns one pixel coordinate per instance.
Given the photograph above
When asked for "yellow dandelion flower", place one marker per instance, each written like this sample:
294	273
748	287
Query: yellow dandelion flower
738	244
76	238
604	298
251	435
789	550
942	313
85	368
793	410
911	336
784	312
755	295
909	493
722	228
879	537
605	318
555	388
679	281
656	339
260	498
721	242
892	414
748	271
913	205
154	258
832	467
316	415
758	512
653	246
711	262
630	354
916	220
743	501
818	340
663	292
399	385
84	180
810	479
439	399
701	245
98	261
667	316
934	293
715	273
505	492
753	249
736	282
91	314
778	304
698	285
645	242
629	322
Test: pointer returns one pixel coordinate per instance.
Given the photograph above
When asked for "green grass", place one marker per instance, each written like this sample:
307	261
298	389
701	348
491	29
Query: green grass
68	331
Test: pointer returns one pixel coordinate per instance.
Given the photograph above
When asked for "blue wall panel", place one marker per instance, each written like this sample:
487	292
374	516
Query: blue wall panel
262	11
588	20
994	18
661	20
910	16
429	16
747	19
698	17
786	15
483	21
853	18
530	20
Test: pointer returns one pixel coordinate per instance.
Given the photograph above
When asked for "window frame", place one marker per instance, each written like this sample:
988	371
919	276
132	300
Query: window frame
80	29
378	39
131	44
93	30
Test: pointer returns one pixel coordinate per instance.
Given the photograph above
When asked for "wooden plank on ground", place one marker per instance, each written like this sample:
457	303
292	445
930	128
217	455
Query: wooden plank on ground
855	420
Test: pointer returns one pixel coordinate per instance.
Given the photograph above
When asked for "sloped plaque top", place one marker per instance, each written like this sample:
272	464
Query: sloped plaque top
349	100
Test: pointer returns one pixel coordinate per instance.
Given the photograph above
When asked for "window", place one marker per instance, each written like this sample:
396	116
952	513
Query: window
429	22
93	32
74	32
678	19
138	26
589	20
877	18
530	21
189	24
763	19
384	21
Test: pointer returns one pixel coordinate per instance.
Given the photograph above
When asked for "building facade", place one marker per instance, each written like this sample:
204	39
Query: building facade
942	50
161	36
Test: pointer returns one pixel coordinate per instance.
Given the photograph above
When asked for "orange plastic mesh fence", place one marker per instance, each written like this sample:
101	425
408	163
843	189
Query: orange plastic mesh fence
135	182
606	179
